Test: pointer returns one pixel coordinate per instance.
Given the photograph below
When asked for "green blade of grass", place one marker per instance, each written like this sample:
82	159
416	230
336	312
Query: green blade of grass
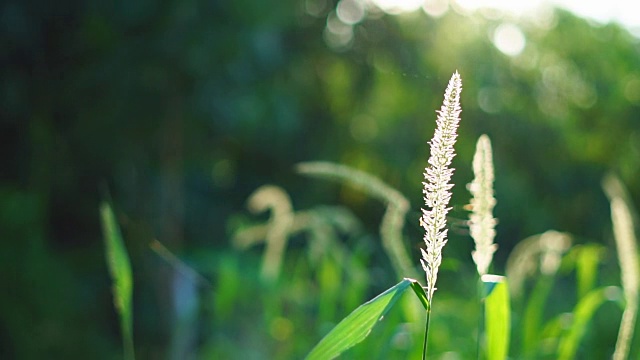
582	314
497	309
587	262
120	269
420	293
357	326
533	315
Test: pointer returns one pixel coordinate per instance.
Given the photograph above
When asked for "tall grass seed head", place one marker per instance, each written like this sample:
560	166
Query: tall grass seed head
481	221
437	184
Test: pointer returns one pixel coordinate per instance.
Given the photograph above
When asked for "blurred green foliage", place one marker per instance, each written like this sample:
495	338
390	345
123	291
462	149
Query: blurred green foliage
181	109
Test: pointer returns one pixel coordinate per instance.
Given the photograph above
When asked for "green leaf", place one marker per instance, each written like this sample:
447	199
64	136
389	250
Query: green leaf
120	269
587	262
533	315
419	291
357	326
582	314
497	309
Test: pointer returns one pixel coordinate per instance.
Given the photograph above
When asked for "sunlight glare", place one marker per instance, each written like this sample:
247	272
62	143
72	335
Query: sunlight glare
350	12
395	7
510	6
622	11
435	8
509	39
337	34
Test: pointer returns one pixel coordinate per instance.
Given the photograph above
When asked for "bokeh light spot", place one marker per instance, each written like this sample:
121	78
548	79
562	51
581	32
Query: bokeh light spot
337	34
514	7
395	7
489	100
509	39
435	8
316	7
350	12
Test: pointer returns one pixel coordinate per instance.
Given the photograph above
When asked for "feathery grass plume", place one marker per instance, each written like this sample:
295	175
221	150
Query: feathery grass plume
393	219
543	251
274	198
628	257
437	186
322	225
614	187
341	219
624	216
481	221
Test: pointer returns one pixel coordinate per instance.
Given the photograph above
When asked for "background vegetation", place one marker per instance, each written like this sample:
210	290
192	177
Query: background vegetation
178	111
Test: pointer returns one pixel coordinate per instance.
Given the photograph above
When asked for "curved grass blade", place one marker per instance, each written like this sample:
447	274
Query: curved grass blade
533	315
626	243
357	326
120	269
587	262
394	217
420	293
497	309
582	314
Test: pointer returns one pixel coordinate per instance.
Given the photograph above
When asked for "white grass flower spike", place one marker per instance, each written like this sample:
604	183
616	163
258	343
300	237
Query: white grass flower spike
481	221
437	184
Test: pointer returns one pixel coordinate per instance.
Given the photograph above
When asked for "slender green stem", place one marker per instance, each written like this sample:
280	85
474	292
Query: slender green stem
480	294
129	352
480	329
426	334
